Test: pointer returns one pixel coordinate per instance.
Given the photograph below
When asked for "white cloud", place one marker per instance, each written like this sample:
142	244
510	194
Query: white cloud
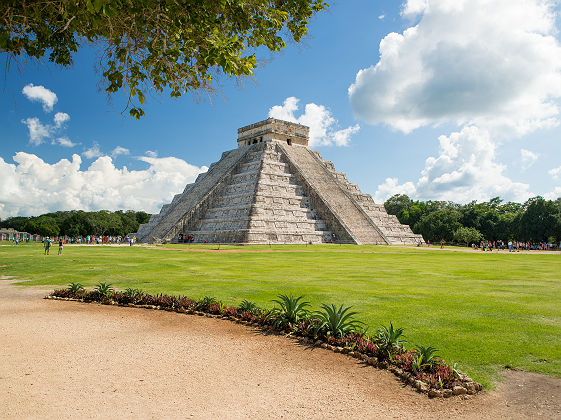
495	64
60	118
322	124
37	131
390	187
555	172
465	170
119	150
31	186
151	153
553	195
382	16
40	94
65	141
92	152
528	158
413	8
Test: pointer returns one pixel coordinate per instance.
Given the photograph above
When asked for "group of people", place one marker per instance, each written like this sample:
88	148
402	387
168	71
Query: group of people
48	243
515	246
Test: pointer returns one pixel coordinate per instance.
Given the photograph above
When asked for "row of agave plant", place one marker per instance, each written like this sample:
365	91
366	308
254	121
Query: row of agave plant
336	326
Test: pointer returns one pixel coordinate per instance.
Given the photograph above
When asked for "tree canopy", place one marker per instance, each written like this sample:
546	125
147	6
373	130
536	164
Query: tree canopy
79	223
178	45
536	220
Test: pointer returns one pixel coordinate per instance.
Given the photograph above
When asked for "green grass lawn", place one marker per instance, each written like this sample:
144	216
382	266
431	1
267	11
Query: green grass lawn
484	311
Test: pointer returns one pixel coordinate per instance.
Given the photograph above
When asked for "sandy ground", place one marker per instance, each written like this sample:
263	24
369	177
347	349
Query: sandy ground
67	359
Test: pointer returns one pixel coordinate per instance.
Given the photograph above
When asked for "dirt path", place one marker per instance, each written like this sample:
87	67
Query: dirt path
67	359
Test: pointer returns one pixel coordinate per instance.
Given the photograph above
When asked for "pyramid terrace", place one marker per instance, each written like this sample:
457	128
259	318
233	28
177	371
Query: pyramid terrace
273	189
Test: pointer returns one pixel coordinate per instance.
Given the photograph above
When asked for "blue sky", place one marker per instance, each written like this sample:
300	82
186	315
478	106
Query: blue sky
439	99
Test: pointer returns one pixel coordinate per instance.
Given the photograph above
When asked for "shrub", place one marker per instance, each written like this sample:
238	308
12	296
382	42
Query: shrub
425	357
63	293
336	322
204	303
165	301
388	340
306	327
291	310
186	303
75	288
104	289
247	306
147	300
231	311
216	308
441	376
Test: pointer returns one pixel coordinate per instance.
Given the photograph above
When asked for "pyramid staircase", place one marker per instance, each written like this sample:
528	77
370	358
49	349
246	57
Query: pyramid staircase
274	189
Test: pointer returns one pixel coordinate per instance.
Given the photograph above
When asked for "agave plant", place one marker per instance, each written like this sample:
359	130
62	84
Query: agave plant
337	321
204	303
75	287
291	310
425	356
389	339
104	289
247	306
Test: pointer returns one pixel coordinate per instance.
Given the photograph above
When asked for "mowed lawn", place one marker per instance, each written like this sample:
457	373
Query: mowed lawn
485	311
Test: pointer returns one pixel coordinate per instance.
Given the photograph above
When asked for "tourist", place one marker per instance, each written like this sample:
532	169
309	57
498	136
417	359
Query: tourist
47	245
509	246
60	246
442	243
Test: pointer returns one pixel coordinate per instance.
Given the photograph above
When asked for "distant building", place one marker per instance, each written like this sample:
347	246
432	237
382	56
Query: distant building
12	234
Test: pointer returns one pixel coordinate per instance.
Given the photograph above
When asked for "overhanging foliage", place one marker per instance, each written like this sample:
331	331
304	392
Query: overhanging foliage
178	45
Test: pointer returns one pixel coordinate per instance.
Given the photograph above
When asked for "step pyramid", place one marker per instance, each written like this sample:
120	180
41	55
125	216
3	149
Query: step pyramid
273	189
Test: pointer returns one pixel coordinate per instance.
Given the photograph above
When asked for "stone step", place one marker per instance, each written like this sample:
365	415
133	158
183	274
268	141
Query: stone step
170	224
339	203
259	237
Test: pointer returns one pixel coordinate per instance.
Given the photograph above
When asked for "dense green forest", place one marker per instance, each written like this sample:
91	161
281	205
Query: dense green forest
79	223
536	220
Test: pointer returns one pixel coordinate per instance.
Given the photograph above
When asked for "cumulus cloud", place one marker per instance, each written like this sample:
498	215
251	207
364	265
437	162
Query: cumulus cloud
323	127
382	16
413	8
528	158
37	131
92	152
40	94
31	186
391	187
151	153
60	118
555	172
465	169
119	150
494	64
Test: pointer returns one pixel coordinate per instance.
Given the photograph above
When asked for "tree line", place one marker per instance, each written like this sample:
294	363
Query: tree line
79	223
537	220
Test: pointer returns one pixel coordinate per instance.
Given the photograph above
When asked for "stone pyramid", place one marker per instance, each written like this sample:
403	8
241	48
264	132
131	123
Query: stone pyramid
274	189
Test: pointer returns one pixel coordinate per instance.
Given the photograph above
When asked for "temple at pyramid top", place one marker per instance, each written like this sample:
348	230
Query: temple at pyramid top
272	129
274	189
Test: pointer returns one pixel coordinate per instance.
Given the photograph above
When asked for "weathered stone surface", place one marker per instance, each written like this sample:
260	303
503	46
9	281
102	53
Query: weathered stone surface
459	390
273	189
435	393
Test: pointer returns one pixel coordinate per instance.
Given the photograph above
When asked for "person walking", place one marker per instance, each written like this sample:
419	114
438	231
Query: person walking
47	246
60	244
